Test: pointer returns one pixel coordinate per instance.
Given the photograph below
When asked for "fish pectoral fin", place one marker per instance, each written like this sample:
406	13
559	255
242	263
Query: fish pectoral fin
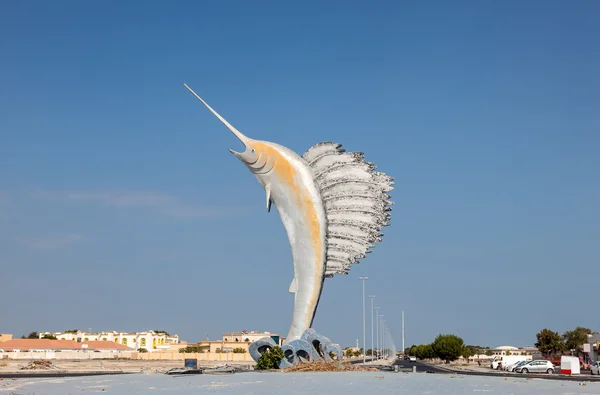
268	190
293	286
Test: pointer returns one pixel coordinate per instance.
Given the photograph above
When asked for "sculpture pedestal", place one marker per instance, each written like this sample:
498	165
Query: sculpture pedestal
310	347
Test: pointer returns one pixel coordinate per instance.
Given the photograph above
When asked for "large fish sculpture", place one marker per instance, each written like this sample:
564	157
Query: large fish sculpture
333	206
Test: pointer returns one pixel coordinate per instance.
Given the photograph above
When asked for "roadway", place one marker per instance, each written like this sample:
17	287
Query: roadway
423	367
406	365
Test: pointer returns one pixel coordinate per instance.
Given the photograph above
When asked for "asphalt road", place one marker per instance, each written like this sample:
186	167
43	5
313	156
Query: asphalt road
421	367
405	365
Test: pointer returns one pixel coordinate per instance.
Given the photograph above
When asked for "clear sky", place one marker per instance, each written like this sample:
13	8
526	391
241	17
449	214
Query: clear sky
121	208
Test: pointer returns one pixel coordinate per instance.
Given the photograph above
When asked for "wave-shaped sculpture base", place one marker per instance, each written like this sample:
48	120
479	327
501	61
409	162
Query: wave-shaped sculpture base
310	347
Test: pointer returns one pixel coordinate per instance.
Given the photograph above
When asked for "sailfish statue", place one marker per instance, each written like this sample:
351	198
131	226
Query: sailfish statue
333	206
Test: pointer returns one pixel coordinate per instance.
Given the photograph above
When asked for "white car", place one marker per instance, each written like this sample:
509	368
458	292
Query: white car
537	366
412	359
595	367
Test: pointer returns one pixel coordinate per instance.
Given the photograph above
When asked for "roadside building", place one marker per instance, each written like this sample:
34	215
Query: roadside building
5	337
250	337
233	342
45	345
150	340
592	348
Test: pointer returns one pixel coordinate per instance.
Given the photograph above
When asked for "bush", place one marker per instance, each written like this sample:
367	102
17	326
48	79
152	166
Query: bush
142	350
270	359
239	350
191	349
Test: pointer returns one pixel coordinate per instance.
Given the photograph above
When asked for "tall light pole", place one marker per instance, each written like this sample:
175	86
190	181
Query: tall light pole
372	297
403	332
377	353
381	336
363	303
383	339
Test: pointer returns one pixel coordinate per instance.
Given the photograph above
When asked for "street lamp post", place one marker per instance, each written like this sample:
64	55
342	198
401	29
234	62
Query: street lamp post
385	341
381	336
377	322
363	307
372	297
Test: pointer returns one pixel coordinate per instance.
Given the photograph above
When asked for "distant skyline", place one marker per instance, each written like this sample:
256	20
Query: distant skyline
121	209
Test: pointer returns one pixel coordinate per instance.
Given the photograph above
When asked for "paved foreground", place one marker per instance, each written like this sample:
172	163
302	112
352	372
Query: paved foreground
347	383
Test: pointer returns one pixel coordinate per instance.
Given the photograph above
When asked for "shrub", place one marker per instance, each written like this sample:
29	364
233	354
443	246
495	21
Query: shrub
239	350
270	359
191	349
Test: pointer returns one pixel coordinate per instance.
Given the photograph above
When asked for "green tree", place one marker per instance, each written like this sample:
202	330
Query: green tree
424	351
142	350
239	350
162	331
412	350
49	336
489	352
468	351
32	335
72	331
270	359
549	342
448	347
576	338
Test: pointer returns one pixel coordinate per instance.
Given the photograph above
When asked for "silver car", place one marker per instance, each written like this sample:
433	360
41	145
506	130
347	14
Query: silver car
511	368
595	367
537	366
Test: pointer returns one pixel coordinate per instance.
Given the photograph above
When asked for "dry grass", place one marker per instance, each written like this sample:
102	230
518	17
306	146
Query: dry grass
331	366
42	364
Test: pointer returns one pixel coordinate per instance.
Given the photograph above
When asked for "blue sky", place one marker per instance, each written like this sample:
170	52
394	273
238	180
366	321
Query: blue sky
121	209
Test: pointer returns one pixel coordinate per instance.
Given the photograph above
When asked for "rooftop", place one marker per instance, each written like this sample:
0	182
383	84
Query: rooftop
47	344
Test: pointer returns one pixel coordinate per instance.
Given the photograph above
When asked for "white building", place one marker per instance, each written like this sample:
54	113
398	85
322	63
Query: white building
252	336
149	340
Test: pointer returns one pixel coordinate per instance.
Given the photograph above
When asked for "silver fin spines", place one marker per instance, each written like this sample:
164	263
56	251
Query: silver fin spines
356	202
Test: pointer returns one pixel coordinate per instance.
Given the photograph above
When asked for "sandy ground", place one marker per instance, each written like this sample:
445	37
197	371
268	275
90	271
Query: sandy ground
114	365
134	366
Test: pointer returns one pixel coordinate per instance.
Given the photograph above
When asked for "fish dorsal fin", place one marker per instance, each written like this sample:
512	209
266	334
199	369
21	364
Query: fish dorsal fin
293	286
356	203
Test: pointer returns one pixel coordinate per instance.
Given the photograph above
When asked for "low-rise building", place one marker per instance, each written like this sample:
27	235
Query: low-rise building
5	337
250	337
44	345
592	347
150	340
234	342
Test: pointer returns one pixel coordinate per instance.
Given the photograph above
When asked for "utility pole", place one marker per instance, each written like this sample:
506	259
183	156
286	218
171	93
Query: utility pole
372	297
377	322
384	340
381	343
402	331
363	307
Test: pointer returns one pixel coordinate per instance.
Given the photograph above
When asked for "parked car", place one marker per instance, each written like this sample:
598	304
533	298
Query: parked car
537	366
507	360
413	358
595	367
511	368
